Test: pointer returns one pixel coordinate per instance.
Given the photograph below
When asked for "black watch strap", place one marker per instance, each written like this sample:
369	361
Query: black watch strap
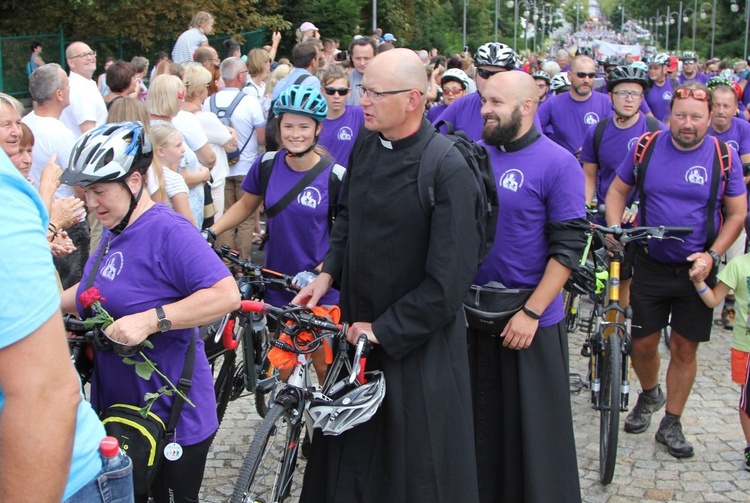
714	256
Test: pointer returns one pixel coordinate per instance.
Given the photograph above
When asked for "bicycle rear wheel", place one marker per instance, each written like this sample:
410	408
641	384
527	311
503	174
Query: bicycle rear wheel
609	419
267	471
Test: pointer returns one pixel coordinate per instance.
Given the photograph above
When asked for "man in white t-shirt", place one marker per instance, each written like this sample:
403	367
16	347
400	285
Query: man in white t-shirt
87	108
250	125
50	89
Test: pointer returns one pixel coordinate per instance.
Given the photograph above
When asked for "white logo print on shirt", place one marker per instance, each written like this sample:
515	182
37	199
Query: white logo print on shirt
512	180
667	96
113	266
632	142
734	145
696	175
310	197
345	134
591	118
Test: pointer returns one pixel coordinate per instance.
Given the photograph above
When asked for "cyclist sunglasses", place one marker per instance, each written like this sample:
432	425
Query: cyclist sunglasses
699	94
452	92
486	74
343	91
582	75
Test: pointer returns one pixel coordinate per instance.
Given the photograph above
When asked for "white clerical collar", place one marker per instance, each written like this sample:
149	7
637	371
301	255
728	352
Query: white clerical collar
387	144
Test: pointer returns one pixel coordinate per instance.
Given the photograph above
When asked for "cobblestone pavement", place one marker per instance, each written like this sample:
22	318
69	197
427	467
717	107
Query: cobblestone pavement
645	471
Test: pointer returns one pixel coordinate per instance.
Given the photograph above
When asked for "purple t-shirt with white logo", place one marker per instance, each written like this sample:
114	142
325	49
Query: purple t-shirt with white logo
298	235
159	259
570	118
338	135
677	188
737	136
615	145
658	98
540	183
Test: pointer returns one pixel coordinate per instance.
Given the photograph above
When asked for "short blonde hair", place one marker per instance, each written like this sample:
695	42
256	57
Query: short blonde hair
200	18
162	95
10	100
128	109
334	72
256	61
197	77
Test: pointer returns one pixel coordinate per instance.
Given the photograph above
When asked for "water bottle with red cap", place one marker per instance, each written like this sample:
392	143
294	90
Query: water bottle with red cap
113	458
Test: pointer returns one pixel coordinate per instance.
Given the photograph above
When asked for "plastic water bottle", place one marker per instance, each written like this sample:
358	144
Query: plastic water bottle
113	457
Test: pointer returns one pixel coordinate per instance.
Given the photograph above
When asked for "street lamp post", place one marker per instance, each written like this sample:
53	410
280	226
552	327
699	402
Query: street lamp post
686	14
578	13
747	25
622	17
464	37
713	22
670	19
679	28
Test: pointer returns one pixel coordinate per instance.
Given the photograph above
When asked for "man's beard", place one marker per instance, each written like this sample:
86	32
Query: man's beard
502	134
687	143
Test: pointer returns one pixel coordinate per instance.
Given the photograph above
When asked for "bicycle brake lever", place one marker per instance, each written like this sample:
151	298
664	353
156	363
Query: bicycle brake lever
360	359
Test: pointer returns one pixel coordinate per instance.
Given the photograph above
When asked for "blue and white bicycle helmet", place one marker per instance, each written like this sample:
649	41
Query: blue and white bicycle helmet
108	153
301	100
348	405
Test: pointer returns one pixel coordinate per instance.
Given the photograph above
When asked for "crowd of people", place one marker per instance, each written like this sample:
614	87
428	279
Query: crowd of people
110	182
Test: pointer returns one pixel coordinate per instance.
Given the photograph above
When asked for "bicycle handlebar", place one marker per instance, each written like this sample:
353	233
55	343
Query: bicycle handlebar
304	318
255	272
637	233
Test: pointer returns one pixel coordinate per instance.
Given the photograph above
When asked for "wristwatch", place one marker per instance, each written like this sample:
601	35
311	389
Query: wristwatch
716	258
164	325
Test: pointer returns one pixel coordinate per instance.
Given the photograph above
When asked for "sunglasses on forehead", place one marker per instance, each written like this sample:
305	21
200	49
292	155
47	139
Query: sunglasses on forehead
699	94
330	91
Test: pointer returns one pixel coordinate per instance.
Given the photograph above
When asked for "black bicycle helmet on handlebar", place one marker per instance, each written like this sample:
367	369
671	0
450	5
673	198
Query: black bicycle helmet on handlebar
586	280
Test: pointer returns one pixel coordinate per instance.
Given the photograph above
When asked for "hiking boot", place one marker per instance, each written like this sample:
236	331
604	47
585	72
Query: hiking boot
671	436
747	458
727	317
639	418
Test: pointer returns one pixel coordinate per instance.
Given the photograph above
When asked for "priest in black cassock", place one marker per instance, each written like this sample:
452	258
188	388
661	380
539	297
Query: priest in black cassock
403	276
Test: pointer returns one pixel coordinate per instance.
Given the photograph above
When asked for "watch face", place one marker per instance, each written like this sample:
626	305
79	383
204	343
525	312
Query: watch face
164	325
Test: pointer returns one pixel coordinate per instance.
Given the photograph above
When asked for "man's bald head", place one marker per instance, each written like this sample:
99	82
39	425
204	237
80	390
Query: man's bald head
517	86
399	67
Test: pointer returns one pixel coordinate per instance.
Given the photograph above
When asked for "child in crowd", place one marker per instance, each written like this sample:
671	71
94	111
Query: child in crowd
164	183
735	276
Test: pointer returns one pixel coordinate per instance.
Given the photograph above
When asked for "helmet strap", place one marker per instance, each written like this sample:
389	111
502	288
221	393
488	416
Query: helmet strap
306	151
133	203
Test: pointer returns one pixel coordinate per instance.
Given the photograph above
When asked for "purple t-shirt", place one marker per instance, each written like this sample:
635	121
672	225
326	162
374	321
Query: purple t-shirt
658	98
338	135
298	235
434	112
737	136
678	186
699	77
540	183
615	145
159	259
570	119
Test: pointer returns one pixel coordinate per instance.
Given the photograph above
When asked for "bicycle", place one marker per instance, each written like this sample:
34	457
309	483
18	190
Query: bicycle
268	468
243	333
609	344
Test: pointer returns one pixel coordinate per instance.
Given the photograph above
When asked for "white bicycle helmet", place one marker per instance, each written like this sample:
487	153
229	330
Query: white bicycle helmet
495	54
559	81
348	405
542	75
456	75
108	153
661	58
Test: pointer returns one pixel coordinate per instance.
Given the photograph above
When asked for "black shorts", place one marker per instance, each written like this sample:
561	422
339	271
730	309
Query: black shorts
628	263
660	289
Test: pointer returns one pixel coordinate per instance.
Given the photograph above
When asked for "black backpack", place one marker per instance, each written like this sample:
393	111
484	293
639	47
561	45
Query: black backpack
335	182
272	121
721	169
478	160
651	122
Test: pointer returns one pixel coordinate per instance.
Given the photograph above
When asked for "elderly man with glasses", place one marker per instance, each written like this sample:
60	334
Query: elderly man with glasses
567	116
681	190
87	108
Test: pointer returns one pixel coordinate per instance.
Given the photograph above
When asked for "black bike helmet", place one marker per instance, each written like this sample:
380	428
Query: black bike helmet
622	74
586	280
586	51
614	60
495	54
542	75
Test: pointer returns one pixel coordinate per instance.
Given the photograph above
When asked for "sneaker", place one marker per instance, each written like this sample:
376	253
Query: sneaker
747	458
727	317
639	418
671	436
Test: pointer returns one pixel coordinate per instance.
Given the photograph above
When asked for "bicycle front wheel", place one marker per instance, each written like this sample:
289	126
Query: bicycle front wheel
267	471
609	419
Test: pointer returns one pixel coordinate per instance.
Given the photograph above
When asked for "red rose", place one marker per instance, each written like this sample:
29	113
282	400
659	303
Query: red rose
87	298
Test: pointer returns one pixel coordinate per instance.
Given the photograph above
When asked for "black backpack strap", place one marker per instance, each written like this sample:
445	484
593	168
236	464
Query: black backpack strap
642	155
652	123
184	385
434	153
301	79
298	187
449	129
598	135
335	182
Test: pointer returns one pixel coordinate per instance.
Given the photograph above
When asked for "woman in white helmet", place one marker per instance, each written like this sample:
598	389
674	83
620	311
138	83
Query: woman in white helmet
454	84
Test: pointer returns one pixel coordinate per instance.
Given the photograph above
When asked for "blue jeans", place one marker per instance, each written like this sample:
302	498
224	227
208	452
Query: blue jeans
112	485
